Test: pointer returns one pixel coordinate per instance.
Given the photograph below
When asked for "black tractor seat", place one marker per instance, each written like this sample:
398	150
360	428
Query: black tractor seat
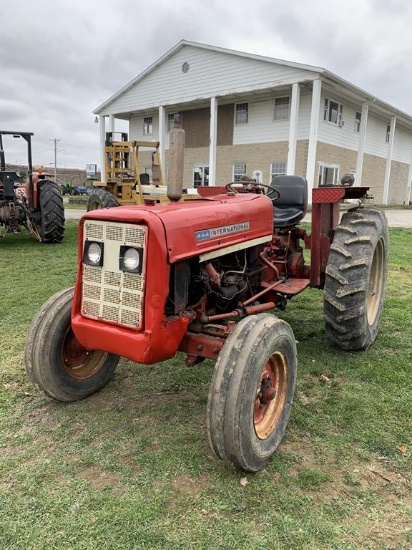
290	208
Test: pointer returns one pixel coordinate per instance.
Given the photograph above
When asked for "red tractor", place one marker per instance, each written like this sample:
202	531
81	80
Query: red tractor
203	277
37	205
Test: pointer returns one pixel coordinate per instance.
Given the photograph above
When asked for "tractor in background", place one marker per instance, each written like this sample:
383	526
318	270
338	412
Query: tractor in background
36	204
205	277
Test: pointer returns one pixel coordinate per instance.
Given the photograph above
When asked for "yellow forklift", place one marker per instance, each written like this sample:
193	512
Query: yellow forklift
125	182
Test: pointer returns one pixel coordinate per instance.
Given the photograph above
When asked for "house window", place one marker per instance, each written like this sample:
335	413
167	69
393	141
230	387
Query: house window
241	113
239	170
358	118
200	175
333	112
171	121
328	175
277	169
148	125
282	106
388	133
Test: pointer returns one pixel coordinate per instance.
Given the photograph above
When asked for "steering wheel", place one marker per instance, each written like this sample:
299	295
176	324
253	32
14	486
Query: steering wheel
250	186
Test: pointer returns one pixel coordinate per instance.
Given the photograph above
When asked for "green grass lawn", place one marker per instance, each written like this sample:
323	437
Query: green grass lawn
130	467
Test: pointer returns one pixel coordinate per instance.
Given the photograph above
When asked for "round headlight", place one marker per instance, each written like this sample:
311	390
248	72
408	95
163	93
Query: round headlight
131	259
94	253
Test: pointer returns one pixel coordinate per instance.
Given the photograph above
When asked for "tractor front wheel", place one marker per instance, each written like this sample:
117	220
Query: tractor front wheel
56	362
100	198
251	394
51	226
356	278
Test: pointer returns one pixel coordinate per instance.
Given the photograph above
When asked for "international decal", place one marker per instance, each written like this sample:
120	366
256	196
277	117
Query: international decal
206	234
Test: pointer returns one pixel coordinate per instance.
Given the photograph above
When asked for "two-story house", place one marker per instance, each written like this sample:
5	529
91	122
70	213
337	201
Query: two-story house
243	112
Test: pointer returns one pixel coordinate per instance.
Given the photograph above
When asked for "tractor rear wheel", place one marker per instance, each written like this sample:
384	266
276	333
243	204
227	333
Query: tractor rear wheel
100	198
251	394
51	226
355	279
56	362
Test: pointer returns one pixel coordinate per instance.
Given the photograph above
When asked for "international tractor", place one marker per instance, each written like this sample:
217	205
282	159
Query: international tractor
205	277
36	205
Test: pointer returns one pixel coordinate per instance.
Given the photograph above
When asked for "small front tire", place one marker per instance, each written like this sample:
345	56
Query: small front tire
56	362
251	394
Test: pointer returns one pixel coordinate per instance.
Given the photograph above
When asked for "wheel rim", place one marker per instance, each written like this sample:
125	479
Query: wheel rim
376	281
270	395
79	362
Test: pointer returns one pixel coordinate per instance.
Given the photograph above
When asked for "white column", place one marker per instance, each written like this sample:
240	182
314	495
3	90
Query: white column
313	135
361	145
293	129
162	138
213	141
389	161
111	123
102	120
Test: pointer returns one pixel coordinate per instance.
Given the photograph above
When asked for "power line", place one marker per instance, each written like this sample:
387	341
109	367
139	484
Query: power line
55	140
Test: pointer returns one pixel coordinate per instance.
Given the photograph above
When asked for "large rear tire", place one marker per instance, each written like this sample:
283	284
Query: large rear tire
56	362
51	213
251	394
355	279
100	198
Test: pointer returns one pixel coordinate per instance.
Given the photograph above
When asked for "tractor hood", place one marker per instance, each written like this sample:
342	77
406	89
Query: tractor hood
201	226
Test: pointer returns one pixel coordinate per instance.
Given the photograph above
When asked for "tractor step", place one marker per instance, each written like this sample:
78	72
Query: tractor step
290	286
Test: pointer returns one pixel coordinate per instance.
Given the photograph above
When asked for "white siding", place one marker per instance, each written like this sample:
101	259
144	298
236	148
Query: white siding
136	127
375	143
261	127
211	74
305	107
341	136
402	147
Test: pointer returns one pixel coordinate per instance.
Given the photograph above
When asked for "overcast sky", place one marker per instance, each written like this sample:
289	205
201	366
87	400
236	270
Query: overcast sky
60	59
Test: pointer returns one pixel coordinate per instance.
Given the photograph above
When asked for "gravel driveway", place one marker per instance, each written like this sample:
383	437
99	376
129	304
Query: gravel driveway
396	218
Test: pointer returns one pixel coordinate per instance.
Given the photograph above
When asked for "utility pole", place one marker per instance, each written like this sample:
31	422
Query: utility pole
55	156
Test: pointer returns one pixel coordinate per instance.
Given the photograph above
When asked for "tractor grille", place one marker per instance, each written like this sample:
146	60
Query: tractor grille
110	294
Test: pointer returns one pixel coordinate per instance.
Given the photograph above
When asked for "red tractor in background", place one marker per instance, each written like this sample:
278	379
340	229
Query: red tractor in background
37	205
203	277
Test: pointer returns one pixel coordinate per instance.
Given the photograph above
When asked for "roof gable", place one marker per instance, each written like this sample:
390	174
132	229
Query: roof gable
216	72
210	71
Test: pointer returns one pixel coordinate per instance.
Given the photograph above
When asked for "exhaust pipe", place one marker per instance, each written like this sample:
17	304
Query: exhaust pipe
176	161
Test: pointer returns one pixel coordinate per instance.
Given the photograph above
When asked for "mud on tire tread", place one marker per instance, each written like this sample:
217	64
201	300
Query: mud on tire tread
356	279
52	213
